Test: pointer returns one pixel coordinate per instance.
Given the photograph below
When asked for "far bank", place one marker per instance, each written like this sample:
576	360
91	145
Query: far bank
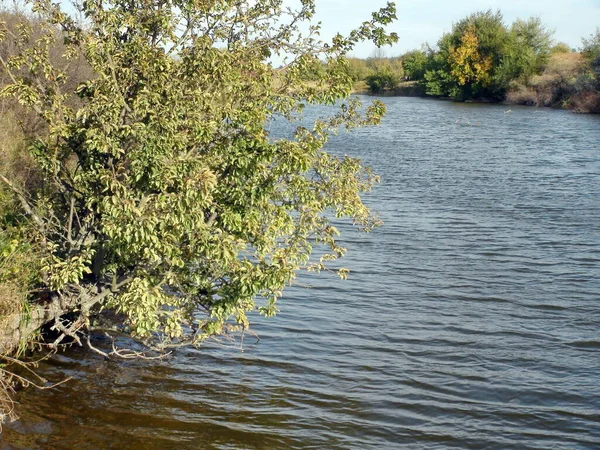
543	95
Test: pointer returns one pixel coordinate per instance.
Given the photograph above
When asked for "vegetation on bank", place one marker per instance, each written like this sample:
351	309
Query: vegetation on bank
482	58
141	180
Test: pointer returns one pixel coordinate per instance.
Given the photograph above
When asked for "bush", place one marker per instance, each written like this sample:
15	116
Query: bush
381	81
414	65
523	95
586	102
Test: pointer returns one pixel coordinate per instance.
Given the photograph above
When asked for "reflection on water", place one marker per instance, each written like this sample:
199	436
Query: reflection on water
470	319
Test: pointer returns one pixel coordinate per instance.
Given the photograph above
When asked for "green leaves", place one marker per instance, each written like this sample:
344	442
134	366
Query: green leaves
163	176
481	57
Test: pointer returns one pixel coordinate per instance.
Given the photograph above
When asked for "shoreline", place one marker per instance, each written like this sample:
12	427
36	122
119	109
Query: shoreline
413	90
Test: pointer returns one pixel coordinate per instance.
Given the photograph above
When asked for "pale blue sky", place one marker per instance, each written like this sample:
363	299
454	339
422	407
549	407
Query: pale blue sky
422	21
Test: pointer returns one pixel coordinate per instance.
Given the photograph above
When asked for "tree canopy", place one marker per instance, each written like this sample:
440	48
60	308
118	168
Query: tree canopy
164	198
481	56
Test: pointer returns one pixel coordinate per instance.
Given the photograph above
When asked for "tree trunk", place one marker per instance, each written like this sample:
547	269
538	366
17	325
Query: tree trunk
20	327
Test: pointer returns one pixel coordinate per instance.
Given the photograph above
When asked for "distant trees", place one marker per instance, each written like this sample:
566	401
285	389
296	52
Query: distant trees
414	64
591	51
560	47
382	79
378	72
481	56
588	95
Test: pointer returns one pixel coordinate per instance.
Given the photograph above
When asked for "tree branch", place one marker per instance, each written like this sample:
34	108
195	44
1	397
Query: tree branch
24	203
70	224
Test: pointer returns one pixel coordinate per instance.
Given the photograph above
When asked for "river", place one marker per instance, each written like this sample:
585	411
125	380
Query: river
471	318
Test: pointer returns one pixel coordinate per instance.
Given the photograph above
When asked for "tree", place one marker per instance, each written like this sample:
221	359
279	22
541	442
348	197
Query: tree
481	57
528	51
414	63
381	80
467	64
535	36
591	51
164	197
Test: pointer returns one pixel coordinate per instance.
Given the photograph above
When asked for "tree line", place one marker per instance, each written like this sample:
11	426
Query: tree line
482	58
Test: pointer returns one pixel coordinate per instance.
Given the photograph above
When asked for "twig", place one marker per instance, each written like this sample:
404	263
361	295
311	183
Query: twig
70	224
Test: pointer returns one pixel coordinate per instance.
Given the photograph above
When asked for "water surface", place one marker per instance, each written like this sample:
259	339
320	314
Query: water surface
471	319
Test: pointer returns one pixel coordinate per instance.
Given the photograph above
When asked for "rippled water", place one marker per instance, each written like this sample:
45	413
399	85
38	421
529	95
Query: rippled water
471	318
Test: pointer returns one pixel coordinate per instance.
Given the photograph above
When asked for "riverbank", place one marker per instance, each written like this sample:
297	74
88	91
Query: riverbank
482	59
404	89
586	102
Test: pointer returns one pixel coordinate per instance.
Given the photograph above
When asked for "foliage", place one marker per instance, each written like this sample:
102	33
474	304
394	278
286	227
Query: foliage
533	37
567	82
164	196
481	57
358	69
467	60
382	80
560	47
18	256
591	51
413	63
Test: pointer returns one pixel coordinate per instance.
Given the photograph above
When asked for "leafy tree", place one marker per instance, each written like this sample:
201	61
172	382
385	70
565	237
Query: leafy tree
481	57
465	64
414	63
591	51
382	80
534	36
164	196
527	51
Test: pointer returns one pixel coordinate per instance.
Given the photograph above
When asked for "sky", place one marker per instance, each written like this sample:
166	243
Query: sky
421	21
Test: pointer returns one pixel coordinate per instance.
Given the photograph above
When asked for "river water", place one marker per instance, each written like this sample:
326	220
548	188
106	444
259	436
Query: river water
471	319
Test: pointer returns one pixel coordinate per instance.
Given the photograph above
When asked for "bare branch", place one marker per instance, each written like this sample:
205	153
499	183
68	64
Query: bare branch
70	224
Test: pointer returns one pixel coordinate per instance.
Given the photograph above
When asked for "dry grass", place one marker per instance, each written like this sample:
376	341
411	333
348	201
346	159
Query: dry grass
530	96
11	300
15	161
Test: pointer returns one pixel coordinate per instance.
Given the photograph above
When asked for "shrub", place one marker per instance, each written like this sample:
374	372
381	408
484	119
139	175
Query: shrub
381	81
586	102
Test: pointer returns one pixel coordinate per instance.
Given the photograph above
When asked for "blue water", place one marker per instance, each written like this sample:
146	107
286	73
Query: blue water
471	318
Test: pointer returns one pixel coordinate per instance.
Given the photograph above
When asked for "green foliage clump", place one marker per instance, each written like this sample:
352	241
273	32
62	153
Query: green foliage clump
164	197
358	69
481	57
19	260
559	48
591	51
382	80
414	64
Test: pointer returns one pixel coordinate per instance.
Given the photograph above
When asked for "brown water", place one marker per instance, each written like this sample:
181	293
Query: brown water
471	318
